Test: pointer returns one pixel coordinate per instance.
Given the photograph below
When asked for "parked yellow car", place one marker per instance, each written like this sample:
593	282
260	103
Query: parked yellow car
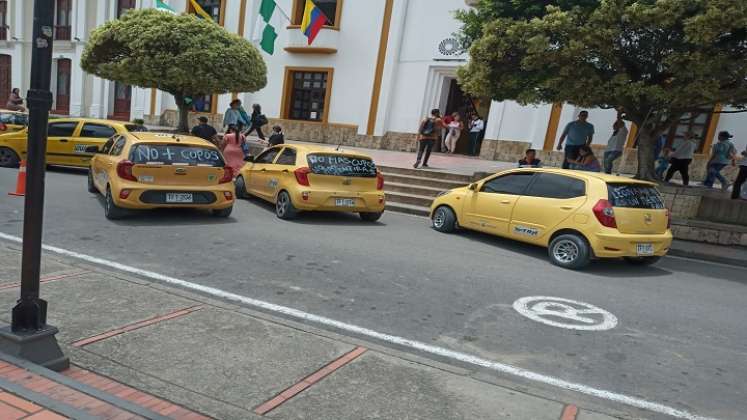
151	170
67	140
576	215
305	178
12	121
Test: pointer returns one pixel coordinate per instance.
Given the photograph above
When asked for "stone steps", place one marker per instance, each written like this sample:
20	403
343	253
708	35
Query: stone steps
412	189
412	199
424	173
422	181
407	208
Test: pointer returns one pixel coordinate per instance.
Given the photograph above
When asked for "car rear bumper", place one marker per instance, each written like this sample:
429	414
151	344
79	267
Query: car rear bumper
152	197
608	245
368	202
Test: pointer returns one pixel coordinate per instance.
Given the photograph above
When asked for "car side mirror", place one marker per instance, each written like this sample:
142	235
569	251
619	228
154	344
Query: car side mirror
473	186
249	159
92	149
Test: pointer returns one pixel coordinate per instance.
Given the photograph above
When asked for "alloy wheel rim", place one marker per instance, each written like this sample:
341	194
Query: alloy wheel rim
566	251
108	201
282	201
5	157
439	219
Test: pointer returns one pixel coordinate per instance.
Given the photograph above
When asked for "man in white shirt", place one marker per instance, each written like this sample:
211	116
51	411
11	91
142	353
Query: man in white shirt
615	145
741	177
681	157
476	125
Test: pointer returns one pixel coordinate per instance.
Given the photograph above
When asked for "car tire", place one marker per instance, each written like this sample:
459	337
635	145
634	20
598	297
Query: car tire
91	186
570	251
223	213
8	158
642	261
444	220
241	188
371	217
111	210
284	208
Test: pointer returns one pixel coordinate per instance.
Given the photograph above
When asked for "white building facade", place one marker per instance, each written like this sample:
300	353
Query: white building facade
370	76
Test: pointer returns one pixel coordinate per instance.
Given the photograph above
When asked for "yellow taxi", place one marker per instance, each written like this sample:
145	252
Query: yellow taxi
577	215
310	178
150	170
67	140
12	121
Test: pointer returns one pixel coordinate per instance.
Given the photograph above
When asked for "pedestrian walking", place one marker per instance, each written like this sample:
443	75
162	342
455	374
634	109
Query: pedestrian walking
530	160
428	134
476	126
204	130
586	161
615	145
578	133
232	116
741	177
455	131
233	148
258	120
661	157
681	157
277	136
722	154
15	102
447	119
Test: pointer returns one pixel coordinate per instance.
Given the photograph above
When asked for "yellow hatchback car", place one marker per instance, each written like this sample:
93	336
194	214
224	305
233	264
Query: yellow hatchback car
67	140
151	170
305	178
576	215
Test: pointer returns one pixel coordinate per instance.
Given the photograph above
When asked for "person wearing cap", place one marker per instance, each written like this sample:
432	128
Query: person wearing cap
722	154
204	130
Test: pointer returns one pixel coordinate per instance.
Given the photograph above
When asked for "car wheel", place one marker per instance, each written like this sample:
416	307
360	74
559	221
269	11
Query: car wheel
444	220
91	185
371	217
642	260
570	251
111	210
241	188
8	158
284	206
223	212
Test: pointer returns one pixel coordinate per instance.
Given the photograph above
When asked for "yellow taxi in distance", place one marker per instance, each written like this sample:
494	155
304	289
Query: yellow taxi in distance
576	215
67	140
310	178
12	121
151	170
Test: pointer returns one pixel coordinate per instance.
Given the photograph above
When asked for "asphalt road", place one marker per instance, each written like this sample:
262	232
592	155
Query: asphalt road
680	339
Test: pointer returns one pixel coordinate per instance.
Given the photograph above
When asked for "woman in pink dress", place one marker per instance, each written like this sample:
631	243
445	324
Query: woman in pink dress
233	152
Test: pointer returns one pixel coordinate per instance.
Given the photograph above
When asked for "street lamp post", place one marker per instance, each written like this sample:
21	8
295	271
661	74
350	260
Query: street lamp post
29	336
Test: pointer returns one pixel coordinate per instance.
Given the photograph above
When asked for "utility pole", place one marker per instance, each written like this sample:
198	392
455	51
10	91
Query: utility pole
29	337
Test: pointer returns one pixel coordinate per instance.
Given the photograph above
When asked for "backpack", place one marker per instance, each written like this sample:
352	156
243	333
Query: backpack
428	127
261	120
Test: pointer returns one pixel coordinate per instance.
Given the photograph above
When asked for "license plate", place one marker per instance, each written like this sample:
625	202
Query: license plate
344	202
645	249
179	198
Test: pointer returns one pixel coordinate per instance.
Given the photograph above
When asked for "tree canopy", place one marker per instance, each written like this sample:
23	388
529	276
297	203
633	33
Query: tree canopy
179	54
656	60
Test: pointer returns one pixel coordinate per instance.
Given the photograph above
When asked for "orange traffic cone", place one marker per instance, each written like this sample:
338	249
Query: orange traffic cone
21	183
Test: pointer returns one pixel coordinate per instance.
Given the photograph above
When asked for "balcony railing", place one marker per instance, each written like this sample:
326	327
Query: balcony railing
62	33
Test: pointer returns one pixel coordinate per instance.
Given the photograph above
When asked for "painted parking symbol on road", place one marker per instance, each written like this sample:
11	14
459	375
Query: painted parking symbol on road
565	313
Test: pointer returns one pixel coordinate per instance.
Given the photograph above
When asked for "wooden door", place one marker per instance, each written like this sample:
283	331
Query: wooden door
5	80
62	101
122	98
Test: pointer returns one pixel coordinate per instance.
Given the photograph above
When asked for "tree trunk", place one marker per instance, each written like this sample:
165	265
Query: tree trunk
183	122
646	159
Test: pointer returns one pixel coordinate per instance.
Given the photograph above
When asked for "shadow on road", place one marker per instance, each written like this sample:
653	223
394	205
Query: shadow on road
317	218
167	217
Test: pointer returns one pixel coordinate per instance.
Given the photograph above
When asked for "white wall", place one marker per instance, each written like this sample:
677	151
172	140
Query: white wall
736	124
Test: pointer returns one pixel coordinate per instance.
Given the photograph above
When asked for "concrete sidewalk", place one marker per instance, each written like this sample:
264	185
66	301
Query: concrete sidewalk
182	355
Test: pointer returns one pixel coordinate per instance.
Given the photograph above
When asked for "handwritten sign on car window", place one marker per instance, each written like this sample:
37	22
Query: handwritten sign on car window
341	165
635	196
175	154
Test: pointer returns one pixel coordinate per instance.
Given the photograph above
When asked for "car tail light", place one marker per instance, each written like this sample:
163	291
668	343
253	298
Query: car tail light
3	127
228	195
227	175
379	181
302	176
305	196
124	170
605	213
124	194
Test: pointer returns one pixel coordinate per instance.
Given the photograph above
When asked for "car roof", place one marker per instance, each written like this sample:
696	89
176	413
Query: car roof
8	111
306	148
610	179
89	120
168	138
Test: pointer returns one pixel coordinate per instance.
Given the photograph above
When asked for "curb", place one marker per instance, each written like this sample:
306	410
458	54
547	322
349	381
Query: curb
707	257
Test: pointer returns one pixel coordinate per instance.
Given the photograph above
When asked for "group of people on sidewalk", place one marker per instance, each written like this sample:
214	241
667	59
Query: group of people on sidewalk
448	131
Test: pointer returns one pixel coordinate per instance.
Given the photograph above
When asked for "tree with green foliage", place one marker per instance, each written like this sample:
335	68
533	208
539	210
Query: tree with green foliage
656	61
179	54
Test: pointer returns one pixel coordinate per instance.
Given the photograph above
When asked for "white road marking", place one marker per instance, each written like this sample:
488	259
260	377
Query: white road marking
546	310
393	339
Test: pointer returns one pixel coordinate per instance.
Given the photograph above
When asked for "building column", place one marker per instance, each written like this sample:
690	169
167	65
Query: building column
98	106
77	78
17	73
137	103
380	123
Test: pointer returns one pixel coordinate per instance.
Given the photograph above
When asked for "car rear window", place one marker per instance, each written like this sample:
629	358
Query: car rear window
170	154
341	165
634	196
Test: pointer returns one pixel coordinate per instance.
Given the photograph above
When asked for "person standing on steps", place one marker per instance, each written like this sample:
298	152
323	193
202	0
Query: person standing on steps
232	116
428	134
455	131
578	133
741	177
615	145
681	157
476	125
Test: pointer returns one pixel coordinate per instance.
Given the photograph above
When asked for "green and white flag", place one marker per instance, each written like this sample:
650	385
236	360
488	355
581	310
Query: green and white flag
162	6
269	20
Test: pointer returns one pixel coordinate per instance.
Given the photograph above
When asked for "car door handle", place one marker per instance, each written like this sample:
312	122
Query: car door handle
63	140
263	170
285	171
566	207
505	201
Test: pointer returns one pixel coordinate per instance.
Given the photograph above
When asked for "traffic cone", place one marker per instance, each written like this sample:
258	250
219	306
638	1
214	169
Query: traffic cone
21	183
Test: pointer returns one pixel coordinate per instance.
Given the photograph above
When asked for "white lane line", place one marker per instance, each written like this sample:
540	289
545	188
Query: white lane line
401	341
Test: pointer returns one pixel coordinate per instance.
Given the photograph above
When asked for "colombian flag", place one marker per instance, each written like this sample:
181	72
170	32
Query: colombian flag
313	20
